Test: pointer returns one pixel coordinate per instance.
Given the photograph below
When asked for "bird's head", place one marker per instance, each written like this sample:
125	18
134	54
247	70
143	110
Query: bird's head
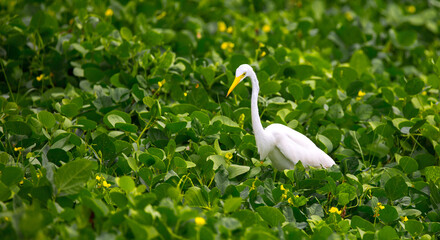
241	73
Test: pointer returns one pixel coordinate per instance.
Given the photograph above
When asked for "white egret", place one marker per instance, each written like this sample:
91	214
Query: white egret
283	145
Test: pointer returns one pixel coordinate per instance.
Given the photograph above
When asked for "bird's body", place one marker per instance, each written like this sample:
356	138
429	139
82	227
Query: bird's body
283	145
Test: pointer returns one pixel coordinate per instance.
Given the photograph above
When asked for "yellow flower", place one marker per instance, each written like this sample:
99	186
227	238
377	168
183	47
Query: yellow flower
360	95
161	15
380	206
424	93
197	85
39	175
109	12
404	219
105	184
230	29
290	201
296	196
282	187
39	78
284	196
411	9
21	182
161	83
221	26
200	221
348	16
261	45
335	210
17	149
227	46
266	28
228	156
263	53
99	178
185	94
224	46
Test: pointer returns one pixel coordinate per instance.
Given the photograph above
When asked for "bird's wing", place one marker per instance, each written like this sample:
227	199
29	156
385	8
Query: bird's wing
295	146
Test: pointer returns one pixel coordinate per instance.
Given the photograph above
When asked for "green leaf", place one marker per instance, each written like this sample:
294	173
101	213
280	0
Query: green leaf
11	175
387	233
126	183
344	75
127	127
409	165
358	222
46	118
194	198
269	87
71	177
116	116
126	33
345	193
271	215
5	193
236	170
18	127
93	74
360	62
414	227
388	214
432	173
396	188
414	86
232	204
105	145
70	110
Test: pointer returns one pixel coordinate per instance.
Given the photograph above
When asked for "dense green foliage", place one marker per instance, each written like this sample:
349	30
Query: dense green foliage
114	121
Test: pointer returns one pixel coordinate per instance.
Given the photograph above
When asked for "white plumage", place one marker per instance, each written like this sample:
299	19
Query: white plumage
283	145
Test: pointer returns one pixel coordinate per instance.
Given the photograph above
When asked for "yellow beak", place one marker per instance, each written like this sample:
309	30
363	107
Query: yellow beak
235	83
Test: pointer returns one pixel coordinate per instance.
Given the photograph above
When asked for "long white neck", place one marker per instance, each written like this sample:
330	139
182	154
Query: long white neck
256	122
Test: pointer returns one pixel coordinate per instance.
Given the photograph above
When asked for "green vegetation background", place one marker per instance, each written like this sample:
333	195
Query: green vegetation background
114	122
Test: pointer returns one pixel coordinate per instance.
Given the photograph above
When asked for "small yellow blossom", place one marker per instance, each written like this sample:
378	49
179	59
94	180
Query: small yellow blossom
161	15
348	16
39	175
185	94
21	182
7	219
109	12
221	26
200	221
296	196
284	196
228	156
411	9
99	178
266	28
261	45
227	46
263	53
161	83
424	93
360	95
380	206
197	85
290	201
17	149
335	210
105	184
39	78
404	219
230	29
282	187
